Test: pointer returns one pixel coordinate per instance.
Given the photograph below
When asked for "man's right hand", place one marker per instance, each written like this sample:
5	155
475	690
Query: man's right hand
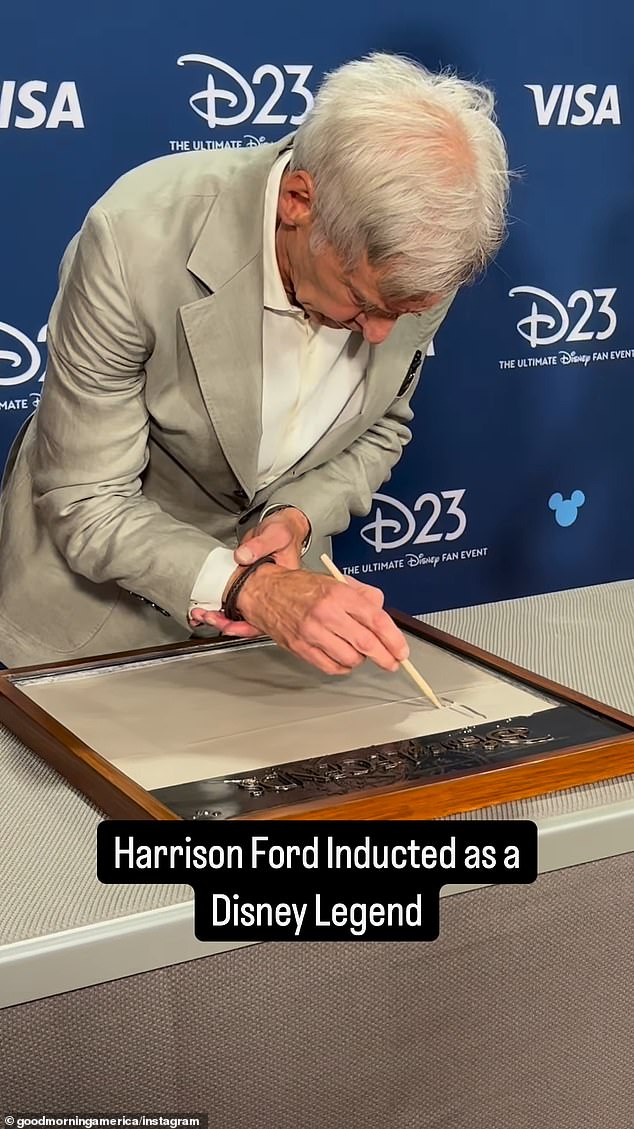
334	626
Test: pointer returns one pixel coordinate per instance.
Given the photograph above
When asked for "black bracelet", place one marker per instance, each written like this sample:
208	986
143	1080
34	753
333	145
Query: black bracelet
229	608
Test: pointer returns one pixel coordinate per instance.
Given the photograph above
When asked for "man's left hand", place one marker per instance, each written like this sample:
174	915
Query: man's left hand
282	535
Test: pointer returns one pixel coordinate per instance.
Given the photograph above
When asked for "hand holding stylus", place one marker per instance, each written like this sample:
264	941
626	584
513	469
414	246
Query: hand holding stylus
333	626
405	663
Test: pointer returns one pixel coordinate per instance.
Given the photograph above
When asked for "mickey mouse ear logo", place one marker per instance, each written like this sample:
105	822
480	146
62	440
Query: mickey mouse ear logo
566	510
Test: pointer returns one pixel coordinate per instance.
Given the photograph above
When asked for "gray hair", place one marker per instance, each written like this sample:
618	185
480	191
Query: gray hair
410	168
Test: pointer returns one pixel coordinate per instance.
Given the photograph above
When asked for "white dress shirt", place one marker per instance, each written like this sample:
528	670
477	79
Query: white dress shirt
313	379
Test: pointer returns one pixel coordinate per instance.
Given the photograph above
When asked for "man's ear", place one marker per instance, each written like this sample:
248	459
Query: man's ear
296	197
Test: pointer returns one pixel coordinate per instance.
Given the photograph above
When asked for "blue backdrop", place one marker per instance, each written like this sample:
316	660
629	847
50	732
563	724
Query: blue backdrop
520	475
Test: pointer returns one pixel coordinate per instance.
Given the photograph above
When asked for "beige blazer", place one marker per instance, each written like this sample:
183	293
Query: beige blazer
142	454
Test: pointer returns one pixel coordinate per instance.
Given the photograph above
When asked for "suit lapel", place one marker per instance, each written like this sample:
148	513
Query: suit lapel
389	364
224	329
224	335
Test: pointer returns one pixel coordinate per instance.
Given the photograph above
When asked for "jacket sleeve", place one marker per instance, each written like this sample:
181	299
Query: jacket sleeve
343	486
92	436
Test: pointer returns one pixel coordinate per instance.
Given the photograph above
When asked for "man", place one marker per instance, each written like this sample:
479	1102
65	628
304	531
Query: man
232	352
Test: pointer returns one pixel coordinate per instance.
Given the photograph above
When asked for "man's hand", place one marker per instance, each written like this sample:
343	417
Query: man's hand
333	626
281	535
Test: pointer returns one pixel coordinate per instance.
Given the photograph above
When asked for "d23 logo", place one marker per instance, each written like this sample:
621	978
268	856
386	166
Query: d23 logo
24	356
549	320
210	102
394	525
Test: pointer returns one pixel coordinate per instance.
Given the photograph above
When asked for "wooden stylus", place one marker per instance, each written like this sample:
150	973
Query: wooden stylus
405	663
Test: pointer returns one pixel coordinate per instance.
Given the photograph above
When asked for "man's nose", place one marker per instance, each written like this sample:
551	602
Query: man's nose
375	330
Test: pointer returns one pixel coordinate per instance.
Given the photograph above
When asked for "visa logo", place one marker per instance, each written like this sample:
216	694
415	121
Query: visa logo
576	105
32	105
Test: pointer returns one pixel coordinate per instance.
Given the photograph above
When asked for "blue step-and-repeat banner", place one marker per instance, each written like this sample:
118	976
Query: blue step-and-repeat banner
520	477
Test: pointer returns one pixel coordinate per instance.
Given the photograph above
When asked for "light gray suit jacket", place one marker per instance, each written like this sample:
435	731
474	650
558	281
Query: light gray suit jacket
142	455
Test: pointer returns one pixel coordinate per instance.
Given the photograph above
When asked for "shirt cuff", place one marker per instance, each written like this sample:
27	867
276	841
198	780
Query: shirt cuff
212	580
285	506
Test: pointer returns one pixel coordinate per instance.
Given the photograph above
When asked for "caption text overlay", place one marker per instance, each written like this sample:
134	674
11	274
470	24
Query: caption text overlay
315	881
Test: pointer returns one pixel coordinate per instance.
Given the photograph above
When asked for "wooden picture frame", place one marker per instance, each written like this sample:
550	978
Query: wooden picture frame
522	774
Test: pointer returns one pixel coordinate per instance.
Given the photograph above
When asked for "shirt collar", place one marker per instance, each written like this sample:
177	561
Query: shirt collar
275	296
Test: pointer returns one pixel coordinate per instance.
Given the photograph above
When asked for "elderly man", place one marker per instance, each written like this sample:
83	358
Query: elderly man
232	352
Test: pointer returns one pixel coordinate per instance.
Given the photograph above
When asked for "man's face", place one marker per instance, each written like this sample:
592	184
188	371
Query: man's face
319	283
